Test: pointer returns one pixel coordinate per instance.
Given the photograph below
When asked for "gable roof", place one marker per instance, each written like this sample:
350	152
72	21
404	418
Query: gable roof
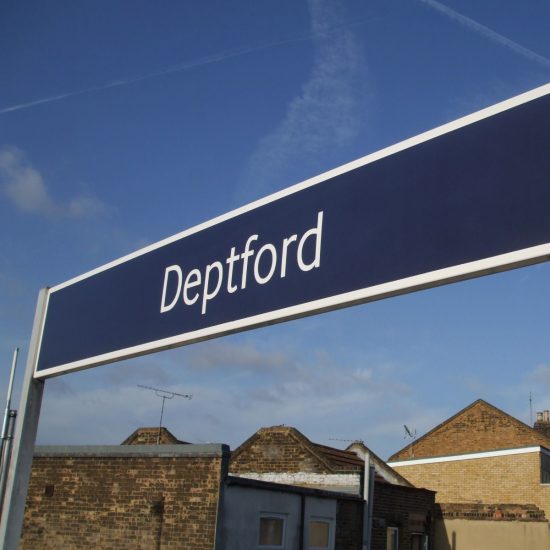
478	427
321	457
150	436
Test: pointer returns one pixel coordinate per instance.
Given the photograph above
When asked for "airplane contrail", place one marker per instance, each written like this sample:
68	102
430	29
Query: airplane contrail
207	60
487	32
222	56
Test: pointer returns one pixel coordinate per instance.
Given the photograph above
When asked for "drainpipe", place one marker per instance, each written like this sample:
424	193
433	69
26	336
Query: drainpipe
302	519
368	498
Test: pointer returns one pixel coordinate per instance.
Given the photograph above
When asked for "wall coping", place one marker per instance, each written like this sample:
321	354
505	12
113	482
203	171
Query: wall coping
113	451
490	512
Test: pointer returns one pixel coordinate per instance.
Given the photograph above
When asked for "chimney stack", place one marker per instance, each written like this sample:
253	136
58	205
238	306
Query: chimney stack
542	424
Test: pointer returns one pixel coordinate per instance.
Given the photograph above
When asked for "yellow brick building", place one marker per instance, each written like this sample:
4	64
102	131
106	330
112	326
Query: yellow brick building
482	456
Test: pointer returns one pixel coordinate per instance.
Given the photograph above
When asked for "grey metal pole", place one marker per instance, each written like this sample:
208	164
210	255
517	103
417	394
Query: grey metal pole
8	398
4	457
6	454
368	505
19	471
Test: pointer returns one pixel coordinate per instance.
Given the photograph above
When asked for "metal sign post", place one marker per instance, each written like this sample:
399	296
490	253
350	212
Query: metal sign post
13	508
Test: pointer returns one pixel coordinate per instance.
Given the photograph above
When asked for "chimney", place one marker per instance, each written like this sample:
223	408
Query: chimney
542	424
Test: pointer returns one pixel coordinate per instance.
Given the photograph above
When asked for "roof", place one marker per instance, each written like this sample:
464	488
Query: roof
383	470
326	458
152	436
478	427
344	459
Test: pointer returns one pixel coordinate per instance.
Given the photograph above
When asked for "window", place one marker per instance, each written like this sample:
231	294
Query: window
419	541
319	535
272	531
544	468
392	538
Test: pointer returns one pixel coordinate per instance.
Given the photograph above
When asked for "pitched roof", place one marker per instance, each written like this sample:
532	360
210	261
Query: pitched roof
478	427
326	458
152	436
340	459
383	471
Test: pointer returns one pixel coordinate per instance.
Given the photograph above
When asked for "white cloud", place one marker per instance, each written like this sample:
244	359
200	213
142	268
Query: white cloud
326	112
226	355
317	394
540	375
24	186
85	206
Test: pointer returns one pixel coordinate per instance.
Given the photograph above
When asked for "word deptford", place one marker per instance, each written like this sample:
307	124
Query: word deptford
269	261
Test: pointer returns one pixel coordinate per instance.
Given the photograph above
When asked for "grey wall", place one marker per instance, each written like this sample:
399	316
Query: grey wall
242	506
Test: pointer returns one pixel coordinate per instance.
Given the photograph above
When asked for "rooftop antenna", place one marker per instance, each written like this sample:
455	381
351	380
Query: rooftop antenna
346	440
165	394
530	409
412	435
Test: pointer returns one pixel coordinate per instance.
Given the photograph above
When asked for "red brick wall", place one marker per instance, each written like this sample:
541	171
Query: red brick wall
126	503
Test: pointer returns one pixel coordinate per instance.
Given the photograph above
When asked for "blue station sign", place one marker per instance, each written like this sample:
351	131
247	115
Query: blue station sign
466	199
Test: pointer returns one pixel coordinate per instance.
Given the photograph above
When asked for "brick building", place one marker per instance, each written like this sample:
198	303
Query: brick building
282	454
124	497
140	495
482	456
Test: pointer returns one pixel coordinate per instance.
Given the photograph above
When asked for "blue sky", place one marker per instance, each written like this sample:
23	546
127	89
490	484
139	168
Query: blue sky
124	123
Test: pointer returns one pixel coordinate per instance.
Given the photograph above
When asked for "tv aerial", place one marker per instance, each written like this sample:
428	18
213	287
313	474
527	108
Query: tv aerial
165	394
346	440
411	435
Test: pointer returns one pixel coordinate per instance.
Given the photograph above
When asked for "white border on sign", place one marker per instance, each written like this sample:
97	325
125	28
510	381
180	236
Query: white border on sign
426	280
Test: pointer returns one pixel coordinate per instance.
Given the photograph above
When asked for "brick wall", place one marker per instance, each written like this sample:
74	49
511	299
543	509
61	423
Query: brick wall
82	500
151	436
409	509
489	512
275	451
501	479
480	427
349	525
542	426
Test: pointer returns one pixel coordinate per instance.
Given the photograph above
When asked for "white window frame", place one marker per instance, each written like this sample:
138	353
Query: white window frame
330	522
272	515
